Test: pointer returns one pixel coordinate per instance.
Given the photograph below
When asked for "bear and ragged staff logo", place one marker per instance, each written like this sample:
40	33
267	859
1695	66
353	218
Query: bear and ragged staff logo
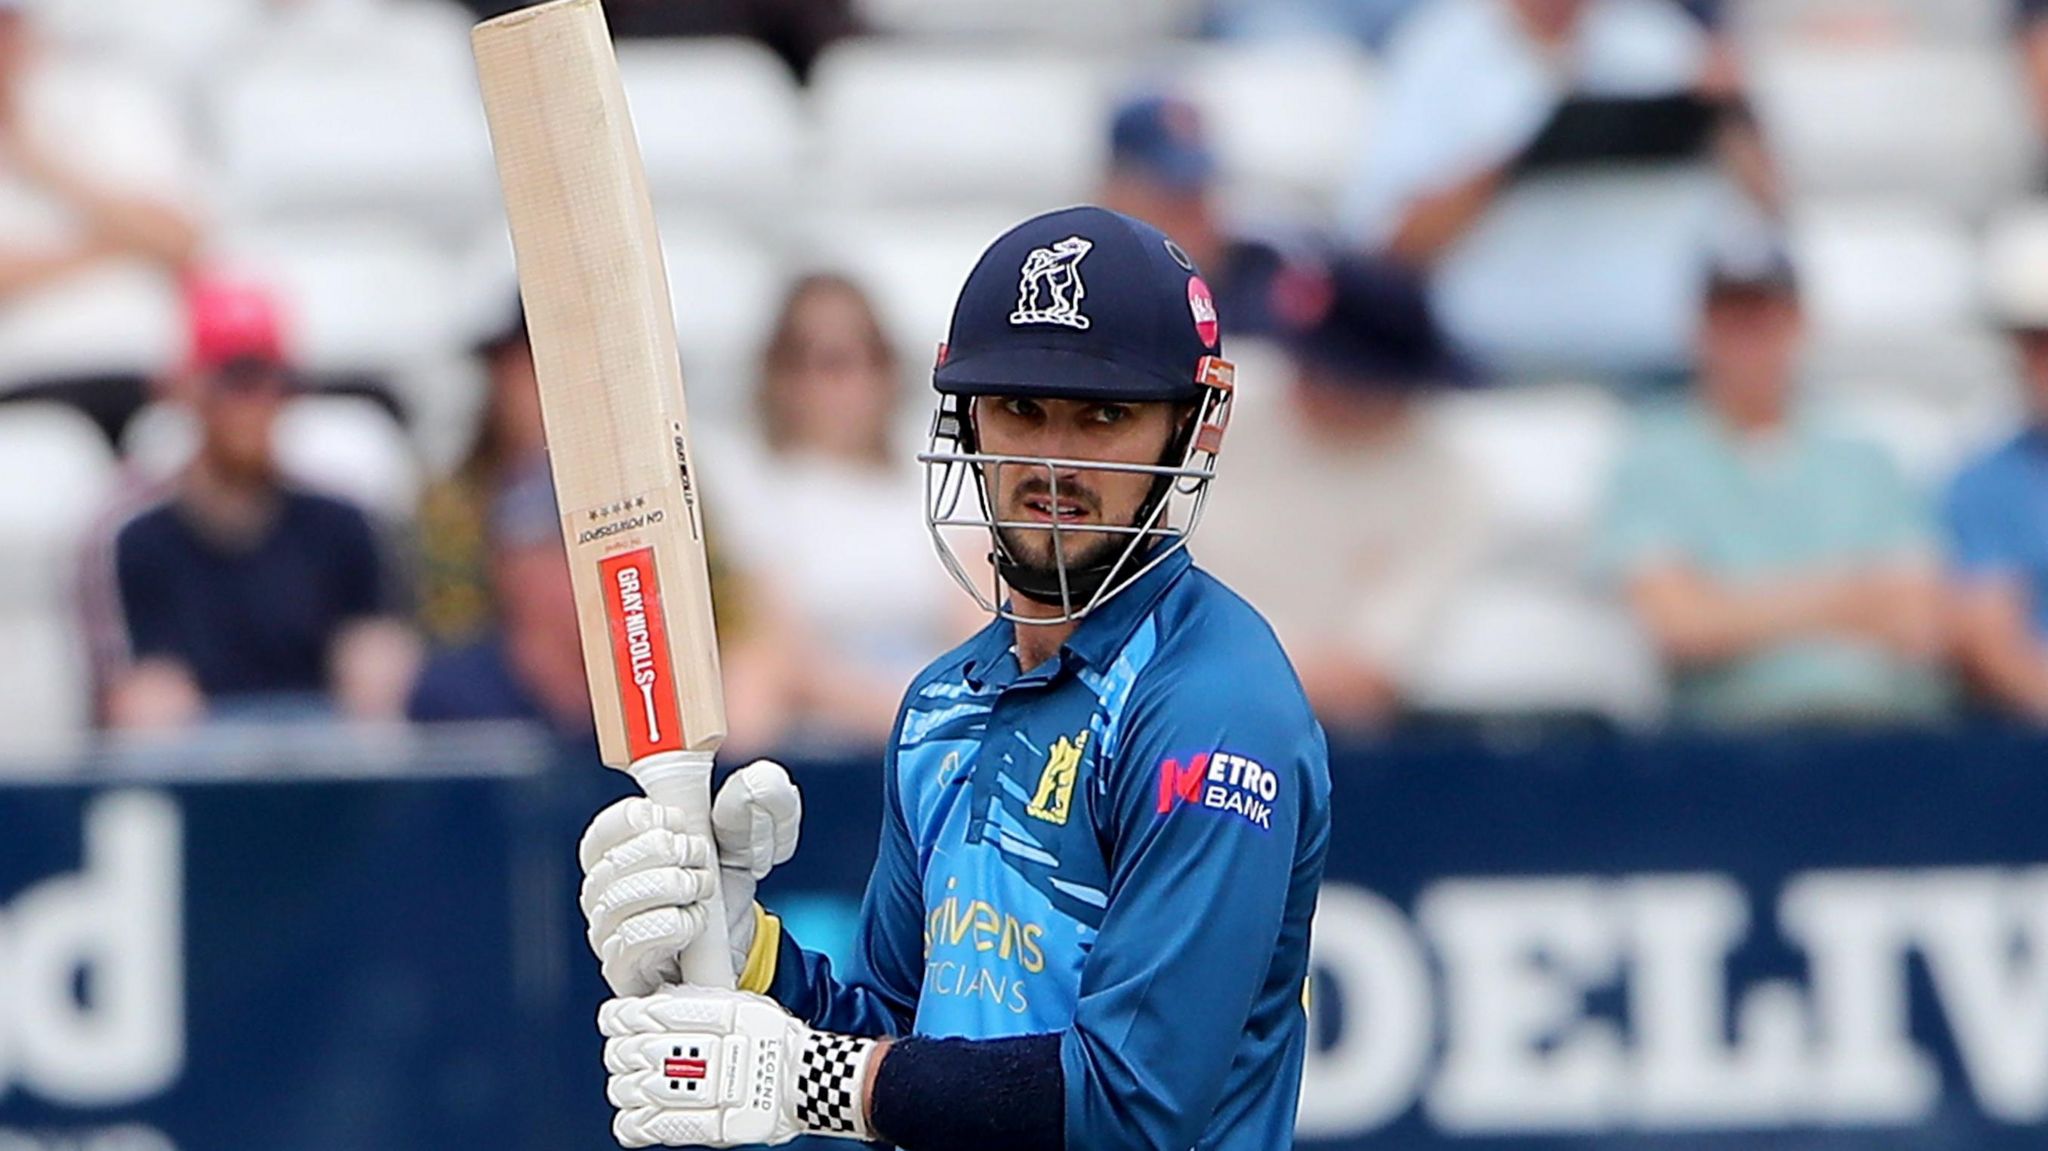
1049	287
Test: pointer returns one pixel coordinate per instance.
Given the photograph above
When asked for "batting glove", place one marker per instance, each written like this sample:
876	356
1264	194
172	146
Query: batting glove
699	1066
645	881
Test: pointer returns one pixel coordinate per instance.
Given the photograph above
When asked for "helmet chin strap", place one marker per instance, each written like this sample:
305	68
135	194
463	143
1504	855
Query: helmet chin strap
1042	585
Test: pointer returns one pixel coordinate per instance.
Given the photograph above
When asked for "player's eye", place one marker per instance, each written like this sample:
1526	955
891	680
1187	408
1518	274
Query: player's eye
1110	413
1021	408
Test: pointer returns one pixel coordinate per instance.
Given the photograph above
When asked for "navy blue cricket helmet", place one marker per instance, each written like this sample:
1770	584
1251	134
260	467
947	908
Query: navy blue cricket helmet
1082	303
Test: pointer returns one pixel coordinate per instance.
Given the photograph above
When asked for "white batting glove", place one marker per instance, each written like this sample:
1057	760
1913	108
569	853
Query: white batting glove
645	881
699	1066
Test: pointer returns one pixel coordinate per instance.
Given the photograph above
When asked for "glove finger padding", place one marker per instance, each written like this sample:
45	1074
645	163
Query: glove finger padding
643	891
644	953
658	1127
756	818
623	821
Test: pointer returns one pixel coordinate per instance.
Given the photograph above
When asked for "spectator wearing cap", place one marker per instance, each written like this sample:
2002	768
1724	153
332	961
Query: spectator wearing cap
454	577
1162	170
1344	520
1556	165
238	594
1785	571
1996	510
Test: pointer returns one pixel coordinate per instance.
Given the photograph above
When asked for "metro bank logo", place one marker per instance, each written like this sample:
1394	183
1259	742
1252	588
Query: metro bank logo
1220	781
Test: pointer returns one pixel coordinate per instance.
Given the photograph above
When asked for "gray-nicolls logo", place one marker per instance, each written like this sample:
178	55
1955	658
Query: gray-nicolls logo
1049	287
116	920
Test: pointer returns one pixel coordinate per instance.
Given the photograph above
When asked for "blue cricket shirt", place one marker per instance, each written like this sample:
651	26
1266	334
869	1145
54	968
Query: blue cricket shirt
1123	846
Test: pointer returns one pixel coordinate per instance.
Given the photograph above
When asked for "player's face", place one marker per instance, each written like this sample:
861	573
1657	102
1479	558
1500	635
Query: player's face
1120	433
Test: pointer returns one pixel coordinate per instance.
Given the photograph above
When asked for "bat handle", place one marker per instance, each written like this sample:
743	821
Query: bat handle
682	780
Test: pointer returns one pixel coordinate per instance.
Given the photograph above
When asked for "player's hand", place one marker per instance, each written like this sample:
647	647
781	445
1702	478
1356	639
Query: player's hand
645	881
698	1066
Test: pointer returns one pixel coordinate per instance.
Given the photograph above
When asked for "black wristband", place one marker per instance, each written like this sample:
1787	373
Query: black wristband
972	1095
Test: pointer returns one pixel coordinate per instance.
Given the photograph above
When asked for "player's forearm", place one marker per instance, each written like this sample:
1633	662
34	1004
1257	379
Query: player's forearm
969	1094
1436	221
1699	620
375	662
1999	652
20	271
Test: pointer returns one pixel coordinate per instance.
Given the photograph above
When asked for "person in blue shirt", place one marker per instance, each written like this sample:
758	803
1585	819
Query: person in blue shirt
1105	815
1996	509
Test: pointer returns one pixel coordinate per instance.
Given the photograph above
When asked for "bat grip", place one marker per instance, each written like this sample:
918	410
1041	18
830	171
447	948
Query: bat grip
682	780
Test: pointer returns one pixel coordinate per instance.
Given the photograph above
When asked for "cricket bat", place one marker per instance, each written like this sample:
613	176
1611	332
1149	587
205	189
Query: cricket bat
611	391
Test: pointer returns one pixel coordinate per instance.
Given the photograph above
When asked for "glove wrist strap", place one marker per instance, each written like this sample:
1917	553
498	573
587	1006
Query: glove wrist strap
831	1074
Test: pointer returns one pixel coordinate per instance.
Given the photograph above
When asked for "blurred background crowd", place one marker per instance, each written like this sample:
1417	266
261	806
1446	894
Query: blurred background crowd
1603	363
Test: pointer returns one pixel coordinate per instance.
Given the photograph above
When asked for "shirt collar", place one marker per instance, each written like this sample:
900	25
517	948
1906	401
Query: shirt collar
1096	642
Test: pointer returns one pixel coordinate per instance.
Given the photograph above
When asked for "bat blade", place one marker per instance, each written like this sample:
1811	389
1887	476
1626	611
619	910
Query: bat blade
604	347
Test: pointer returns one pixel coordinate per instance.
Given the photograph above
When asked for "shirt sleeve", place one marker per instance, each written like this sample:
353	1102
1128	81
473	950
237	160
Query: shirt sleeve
148	618
363	580
878	996
1213	784
1981	538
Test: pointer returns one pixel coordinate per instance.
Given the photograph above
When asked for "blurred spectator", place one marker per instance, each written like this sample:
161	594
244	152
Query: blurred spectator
1553	163
796	30
239	594
530	666
455	581
1344	520
2031	32
1998	536
824	517
1162	171
86	176
1785	572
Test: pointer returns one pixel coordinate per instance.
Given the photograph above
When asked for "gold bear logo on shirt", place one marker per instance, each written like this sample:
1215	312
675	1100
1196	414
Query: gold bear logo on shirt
1055	795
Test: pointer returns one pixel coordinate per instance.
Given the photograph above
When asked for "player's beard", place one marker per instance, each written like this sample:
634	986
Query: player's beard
1085	552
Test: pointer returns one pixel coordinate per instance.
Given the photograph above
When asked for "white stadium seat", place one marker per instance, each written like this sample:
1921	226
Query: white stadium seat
350	447
1885	269
55	472
1964	364
909	123
1288	119
1543	455
1521	644
45	695
356	298
121	318
174	39
313	130
911	263
2015	263
1981	22
725	290
719	121
1946	122
1081	23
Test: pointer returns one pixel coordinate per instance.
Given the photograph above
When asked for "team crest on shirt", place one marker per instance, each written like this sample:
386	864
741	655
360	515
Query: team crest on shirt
1054	798
1219	781
1049	287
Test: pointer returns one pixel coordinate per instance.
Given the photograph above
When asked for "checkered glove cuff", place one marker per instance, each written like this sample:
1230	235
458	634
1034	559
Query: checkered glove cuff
829	1076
